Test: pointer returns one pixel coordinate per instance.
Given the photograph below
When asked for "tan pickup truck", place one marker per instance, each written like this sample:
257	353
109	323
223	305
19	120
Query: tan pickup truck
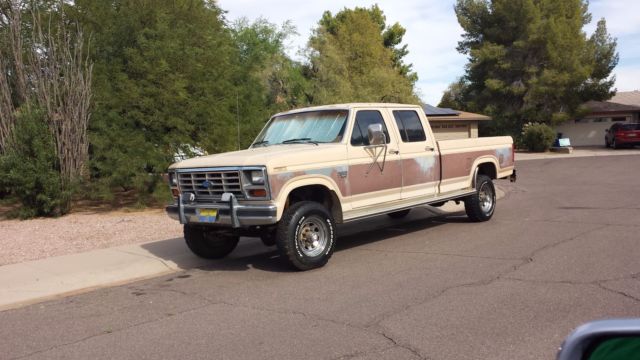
312	168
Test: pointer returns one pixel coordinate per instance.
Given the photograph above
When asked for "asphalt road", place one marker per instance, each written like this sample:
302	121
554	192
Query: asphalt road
562	249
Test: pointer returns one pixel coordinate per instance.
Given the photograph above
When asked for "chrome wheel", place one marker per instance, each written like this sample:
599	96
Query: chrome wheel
486	195
312	236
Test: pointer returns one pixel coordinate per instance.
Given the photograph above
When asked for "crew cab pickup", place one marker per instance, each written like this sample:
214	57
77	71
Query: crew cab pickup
312	168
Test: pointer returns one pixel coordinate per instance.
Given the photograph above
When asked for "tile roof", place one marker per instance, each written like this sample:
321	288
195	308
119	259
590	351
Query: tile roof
609	106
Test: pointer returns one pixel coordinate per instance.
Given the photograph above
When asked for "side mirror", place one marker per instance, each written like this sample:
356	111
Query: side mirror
614	339
376	135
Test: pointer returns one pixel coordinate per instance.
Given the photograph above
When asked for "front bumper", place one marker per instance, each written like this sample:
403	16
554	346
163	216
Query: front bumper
229	213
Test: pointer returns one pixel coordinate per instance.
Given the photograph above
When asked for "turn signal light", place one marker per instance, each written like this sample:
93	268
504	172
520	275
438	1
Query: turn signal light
258	193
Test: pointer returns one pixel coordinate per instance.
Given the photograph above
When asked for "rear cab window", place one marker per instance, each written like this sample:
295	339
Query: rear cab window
409	125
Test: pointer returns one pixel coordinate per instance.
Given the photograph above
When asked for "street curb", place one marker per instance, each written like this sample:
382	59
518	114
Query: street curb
577	153
57	277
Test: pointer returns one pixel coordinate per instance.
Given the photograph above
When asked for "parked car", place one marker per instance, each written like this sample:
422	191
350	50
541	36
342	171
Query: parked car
622	134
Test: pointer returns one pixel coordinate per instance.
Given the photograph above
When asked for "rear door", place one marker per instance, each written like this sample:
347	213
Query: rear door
373	177
420	167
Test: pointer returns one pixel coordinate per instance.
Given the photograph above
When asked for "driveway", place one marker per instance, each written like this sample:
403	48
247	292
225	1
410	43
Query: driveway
562	249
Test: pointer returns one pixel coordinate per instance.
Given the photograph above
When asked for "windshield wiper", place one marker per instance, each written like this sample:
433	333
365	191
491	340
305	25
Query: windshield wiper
257	143
300	140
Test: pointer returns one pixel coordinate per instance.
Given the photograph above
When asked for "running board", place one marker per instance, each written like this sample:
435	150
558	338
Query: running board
411	206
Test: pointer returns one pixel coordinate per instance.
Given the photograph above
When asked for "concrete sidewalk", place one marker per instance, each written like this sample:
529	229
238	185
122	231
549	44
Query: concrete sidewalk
33	281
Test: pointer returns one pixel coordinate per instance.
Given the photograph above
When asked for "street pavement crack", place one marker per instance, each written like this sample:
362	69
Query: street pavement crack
404	346
483	282
111	332
619	292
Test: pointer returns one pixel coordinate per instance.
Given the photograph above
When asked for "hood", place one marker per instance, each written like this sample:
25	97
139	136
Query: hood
273	156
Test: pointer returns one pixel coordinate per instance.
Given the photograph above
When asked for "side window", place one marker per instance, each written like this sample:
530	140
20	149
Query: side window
364	118
409	125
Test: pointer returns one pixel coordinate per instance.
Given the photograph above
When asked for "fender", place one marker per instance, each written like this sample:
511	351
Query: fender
305	180
486	159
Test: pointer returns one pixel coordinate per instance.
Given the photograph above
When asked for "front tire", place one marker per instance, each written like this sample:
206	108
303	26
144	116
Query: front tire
481	205
306	236
209	243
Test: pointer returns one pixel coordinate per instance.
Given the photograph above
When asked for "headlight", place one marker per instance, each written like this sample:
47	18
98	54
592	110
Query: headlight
257	177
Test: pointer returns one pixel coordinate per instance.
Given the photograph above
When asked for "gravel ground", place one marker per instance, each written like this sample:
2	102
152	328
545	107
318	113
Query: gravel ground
78	232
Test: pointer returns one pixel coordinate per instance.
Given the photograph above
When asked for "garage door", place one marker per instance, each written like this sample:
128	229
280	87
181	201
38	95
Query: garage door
450	131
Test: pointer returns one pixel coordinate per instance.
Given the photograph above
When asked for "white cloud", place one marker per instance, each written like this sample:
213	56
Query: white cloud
433	33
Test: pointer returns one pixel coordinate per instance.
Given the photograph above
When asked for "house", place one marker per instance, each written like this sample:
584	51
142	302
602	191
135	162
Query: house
589	130
448	124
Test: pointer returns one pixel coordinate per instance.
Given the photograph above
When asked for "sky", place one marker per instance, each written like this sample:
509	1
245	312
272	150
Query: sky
433	33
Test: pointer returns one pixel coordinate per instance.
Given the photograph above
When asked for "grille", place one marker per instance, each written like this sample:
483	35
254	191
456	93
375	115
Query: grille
219	182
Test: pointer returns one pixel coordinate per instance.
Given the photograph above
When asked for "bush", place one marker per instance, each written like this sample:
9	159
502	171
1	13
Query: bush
537	137
30	169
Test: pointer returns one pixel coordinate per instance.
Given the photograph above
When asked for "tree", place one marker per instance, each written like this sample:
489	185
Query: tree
164	84
44	76
354	57
455	96
268	80
530	60
61	83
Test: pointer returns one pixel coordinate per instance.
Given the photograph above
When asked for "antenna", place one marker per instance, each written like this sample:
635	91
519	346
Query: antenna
238	116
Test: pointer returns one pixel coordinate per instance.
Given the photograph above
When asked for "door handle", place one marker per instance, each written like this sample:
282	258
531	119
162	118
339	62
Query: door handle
394	152
429	148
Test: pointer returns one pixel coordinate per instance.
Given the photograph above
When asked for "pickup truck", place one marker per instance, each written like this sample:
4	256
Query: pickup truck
312	168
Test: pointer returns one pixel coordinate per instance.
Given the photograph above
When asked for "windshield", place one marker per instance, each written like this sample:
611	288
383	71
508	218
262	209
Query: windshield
323	126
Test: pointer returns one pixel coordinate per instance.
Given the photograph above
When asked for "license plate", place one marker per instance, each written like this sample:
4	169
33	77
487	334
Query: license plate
206	215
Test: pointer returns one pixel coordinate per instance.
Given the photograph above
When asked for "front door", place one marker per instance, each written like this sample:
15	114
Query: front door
375	172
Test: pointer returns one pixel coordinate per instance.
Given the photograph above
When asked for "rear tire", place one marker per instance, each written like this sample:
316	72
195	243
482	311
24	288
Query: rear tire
399	214
481	205
209	243
306	236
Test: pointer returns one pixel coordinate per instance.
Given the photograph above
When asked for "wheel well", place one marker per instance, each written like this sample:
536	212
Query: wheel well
320	194
488	169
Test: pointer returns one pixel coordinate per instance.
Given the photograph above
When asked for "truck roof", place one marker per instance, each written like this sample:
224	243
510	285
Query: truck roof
348	106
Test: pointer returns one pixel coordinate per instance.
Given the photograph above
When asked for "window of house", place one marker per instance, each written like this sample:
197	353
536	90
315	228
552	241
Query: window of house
364	118
619	119
409	124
